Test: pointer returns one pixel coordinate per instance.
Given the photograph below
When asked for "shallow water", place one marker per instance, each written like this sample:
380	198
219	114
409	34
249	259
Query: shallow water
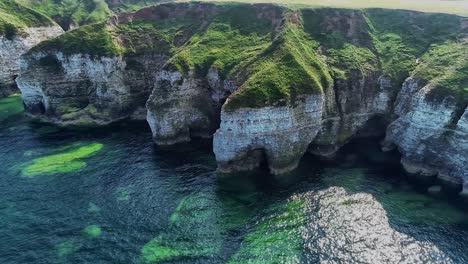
110	196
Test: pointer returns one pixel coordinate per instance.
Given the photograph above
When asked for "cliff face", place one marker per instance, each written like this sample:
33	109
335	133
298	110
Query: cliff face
277	135
431	115
183	106
273	83
79	90
431	136
12	48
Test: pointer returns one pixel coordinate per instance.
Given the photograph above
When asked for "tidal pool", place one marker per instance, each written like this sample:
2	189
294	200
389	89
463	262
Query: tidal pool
110	196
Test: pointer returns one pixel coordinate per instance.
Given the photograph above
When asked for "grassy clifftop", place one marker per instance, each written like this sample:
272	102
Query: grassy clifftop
445	65
276	54
69	13
14	16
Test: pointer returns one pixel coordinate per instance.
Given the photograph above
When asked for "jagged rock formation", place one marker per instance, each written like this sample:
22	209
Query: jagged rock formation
278	134
183	106
344	228
274	82
431	136
11	50
20	30
80	90
430	129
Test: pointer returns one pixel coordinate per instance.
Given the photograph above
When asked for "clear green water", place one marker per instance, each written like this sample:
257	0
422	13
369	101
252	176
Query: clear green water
110	196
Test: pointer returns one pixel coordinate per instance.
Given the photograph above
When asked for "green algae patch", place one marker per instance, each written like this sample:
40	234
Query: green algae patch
93	208
66	248
420	209
196	228
352	180
122	194
275	238
156	251
92	231
61	163
10	107
194	231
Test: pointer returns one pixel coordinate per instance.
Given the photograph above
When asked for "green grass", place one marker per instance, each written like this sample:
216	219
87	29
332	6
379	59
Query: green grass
445	66
141	36
14	16
235	36
61	163
95	40
82	12
437	6
71	12
285	71
401	37
275	68
343	55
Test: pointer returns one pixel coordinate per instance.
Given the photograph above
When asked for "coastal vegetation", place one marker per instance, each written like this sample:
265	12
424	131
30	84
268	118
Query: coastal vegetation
14	17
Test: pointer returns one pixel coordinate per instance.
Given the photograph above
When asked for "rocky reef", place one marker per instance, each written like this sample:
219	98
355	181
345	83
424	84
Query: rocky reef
347	228
268	83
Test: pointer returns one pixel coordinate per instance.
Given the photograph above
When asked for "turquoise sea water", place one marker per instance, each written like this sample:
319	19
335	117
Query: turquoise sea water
110	196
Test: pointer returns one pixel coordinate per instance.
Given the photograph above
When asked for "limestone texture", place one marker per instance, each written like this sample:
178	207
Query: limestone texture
266	82
12	49
432	136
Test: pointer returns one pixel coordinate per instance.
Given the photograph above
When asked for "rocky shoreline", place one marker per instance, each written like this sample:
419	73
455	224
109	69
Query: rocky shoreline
228	99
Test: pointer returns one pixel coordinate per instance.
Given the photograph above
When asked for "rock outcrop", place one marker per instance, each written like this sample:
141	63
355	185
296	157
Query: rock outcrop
430	133
269	83
354	228
183	106
278	135
81	90
354	108
12	48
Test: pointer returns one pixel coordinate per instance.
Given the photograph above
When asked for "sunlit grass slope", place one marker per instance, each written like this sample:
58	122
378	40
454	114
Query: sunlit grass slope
459	7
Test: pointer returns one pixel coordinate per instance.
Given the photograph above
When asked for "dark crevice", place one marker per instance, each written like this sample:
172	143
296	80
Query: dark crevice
456	116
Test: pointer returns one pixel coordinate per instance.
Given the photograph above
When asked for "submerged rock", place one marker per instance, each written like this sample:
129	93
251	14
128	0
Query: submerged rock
354	228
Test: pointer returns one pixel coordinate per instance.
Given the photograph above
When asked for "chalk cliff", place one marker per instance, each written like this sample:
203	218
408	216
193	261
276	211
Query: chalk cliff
268	83
12	47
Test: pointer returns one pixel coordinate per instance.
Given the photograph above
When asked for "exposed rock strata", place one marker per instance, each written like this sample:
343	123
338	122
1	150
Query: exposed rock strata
431	135
82	90
353	106
311	81
183	106
12	49
354	228
280	135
